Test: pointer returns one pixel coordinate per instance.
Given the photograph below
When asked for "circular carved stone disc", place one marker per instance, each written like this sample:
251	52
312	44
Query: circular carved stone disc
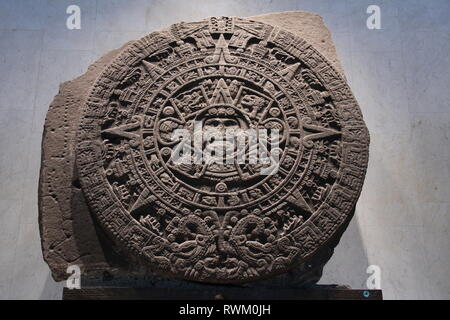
210	222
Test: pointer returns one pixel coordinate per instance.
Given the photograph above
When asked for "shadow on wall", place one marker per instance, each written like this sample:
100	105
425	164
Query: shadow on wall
349	262
51	290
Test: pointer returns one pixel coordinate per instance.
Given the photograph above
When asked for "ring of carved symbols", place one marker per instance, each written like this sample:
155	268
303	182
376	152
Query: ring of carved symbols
221	222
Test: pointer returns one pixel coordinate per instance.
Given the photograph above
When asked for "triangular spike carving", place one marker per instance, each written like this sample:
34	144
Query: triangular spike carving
144	199
221	54
124	130
221	94
317	132
289	71
297	200
153	70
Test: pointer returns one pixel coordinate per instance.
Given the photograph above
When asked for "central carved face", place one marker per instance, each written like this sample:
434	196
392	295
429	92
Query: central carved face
232	113
221	124
220	135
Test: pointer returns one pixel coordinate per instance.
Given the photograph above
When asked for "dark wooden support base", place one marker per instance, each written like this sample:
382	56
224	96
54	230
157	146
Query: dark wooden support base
222	293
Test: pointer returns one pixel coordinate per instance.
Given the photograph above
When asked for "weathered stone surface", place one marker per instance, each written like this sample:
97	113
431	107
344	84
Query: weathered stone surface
68	233
308	26
62	203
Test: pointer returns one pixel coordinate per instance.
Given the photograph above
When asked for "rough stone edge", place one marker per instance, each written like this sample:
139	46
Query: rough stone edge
315	32
59	198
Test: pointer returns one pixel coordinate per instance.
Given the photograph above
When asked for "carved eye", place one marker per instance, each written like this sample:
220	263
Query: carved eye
230	123
213	123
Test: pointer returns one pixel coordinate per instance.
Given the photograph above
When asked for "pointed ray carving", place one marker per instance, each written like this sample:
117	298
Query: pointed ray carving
221	94
314	132
289	71
126	129
144	199
297	200
153	70
221	54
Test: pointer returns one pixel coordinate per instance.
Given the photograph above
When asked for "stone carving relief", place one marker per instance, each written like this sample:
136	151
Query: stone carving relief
221	223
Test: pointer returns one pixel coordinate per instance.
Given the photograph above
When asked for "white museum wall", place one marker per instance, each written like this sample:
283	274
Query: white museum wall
399	75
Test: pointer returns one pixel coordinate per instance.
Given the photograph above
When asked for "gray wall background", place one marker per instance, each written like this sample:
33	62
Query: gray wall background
399	75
